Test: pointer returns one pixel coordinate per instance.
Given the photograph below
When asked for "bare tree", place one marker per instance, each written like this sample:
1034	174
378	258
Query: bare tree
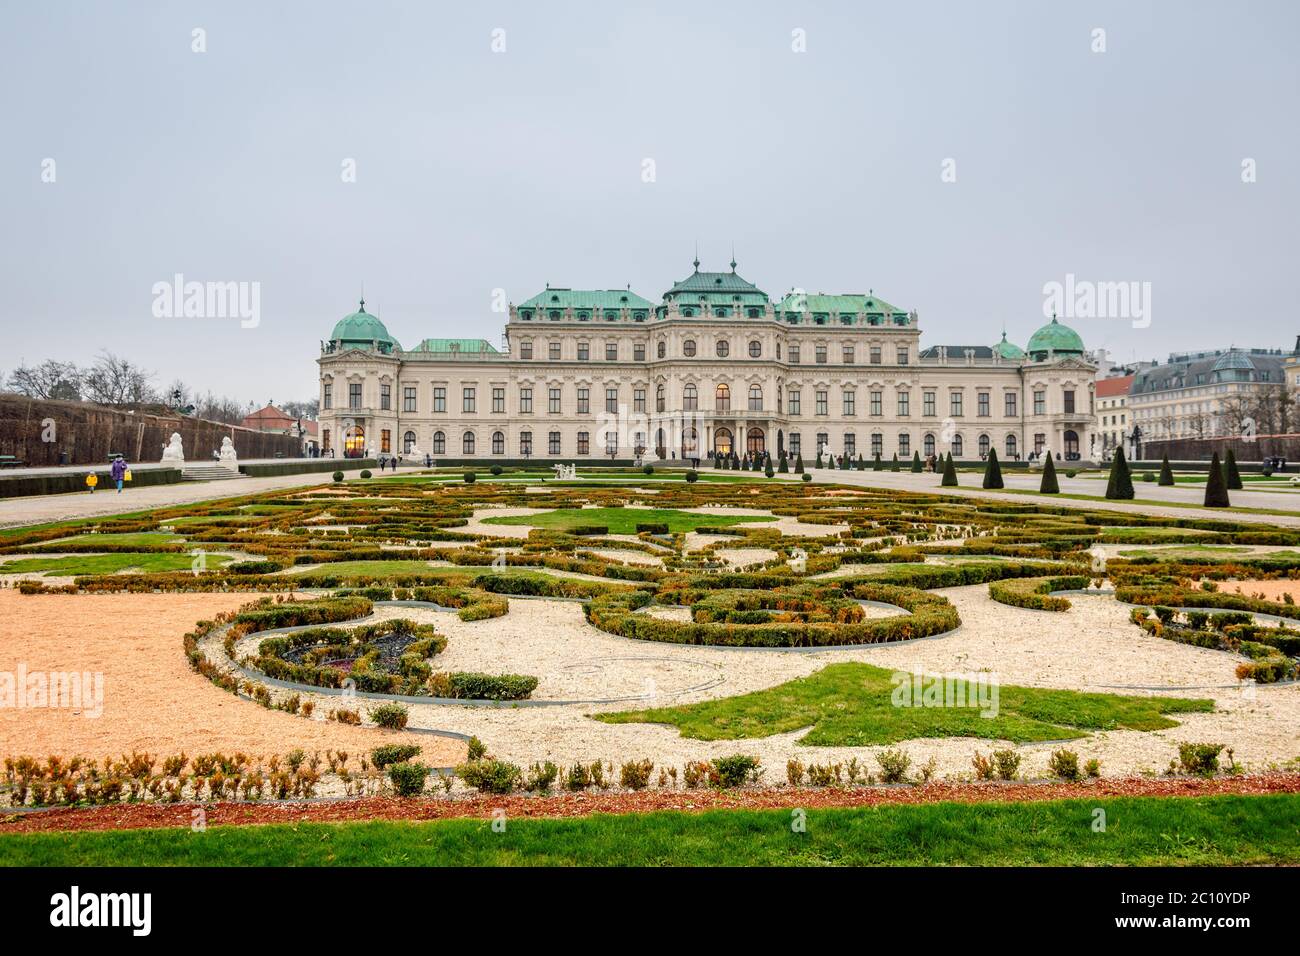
50	379
113	380
308	409
218	409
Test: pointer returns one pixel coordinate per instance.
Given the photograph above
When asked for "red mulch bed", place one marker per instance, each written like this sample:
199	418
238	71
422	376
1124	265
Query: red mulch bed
139	815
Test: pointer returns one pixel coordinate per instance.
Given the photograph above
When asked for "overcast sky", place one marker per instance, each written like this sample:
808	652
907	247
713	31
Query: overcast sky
478	170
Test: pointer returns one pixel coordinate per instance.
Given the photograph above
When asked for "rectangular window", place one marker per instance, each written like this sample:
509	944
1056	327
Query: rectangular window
354	395
499	401
385	441
498	443
1040	402
611	444
525	443
823	443
386	397
553	401
638	352
328	401
877	403
584	401
611	399
795	443
821	355
877	444
875	355
904	403
850	444
440	398
408	398
467	399
955	404
584	351
904	444
554	351
793	352
848	354
795	402
1068	396
1009	400
584	443
525	350
611	351
902	355
820	397
850	402
638	400
553	443
982	404
927	404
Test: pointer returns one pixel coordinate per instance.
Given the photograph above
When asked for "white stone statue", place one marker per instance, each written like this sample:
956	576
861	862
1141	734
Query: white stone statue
227	455
172	451
566	472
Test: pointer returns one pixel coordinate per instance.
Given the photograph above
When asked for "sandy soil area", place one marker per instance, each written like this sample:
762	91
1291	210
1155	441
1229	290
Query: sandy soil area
1272	590
152	700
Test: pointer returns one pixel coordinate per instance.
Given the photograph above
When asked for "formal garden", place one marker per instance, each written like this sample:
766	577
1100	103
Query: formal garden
444	639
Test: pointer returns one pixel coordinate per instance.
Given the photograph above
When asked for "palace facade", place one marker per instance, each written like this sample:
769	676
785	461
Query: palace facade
715	367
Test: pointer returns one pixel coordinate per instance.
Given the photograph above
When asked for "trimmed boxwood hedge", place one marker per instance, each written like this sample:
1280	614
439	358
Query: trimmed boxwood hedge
1035	593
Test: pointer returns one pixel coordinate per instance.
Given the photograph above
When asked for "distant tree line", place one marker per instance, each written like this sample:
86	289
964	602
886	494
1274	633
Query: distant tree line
113	380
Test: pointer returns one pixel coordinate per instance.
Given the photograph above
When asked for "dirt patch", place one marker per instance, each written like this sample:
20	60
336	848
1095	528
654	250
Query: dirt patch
1271	590
153	701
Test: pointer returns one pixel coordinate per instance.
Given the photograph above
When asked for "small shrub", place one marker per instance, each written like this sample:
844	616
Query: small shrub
635	774
489	775
470	477
496	469
807	476
390	754
365	472
692	476
1092	767
984	766
352	717
408	778
391	715
1007	763
1199	759
1064	764
894	765
578	777
475	749
694	773
648	470
1148	476
733	771
794	772
338	476
541	777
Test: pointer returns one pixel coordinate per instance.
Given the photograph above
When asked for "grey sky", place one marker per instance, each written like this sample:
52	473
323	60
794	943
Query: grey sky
478	170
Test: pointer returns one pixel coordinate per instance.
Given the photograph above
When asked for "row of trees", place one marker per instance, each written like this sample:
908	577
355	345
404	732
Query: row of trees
114	380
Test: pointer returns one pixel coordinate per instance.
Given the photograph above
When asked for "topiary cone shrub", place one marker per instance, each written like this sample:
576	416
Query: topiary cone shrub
1231	476
784	466
798	464
893	465
768	471
1119	487
1049	484
1166	473
1216	486
916	462
819	460
877	465
993	471
949	473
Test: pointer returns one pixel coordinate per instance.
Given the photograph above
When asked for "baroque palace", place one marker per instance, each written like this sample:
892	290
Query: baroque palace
716	367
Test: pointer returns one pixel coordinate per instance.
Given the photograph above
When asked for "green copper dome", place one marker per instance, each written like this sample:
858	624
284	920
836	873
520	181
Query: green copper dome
1055	337
361	329
1008	350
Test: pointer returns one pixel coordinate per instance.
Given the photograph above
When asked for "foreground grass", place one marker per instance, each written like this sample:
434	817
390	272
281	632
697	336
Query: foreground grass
625	520
851	705
143	562
124	539
1139	831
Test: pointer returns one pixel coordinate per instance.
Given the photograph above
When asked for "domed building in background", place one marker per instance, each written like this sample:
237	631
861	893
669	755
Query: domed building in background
717	367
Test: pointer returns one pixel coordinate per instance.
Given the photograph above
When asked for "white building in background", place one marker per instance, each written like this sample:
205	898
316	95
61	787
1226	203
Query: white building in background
715	367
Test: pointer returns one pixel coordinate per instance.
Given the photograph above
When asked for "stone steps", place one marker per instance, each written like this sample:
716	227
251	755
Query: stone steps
209	473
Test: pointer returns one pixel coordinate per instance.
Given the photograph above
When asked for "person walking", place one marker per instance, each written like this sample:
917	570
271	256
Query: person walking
118	472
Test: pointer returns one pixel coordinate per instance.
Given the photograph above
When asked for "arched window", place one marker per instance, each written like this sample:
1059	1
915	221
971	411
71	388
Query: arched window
985	445
408	442
690	398
927	444
439	443
755	398
722	398
956	446
780	395
467	443
688	348
498	443
755	348
661	349
1011	446
723	348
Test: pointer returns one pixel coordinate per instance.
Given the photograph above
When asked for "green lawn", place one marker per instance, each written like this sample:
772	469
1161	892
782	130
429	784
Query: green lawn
851	705
143	562
1139	831
1120	533
1191	552
625	520
132	539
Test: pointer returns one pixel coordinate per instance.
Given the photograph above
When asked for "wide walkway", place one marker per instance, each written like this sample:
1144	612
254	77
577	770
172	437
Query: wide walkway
38	509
